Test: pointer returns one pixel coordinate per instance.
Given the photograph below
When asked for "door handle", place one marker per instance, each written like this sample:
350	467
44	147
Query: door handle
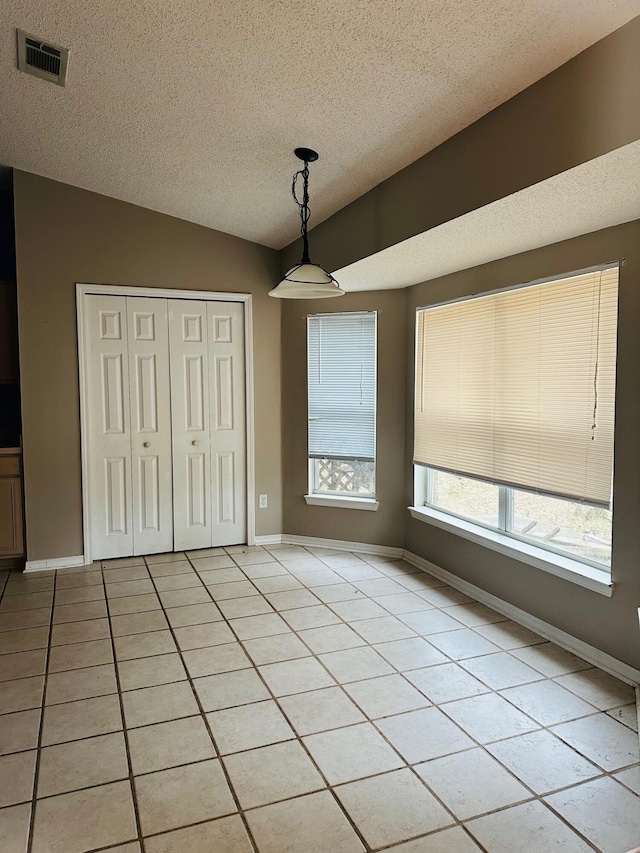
195	443
147	444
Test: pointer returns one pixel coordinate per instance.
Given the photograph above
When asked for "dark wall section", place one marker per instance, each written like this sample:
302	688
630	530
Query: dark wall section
7	227
10	424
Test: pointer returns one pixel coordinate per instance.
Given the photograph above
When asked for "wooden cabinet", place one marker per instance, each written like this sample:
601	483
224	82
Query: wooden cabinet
11	521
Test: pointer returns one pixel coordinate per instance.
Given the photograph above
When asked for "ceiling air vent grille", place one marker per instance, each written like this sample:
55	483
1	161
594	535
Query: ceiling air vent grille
41	58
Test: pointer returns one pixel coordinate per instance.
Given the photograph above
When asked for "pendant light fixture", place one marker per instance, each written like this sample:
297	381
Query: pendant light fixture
305	280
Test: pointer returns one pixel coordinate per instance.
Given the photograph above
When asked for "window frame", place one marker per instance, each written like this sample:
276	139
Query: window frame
582	571
345	499
505	519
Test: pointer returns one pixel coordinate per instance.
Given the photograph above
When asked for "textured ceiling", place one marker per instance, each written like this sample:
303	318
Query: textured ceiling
594	195
193	108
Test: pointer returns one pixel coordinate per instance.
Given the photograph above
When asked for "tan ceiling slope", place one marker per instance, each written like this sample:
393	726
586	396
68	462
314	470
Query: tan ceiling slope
589	197
193	108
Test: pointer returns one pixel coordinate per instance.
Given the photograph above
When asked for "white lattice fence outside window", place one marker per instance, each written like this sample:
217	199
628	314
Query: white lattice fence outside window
338	475
335	476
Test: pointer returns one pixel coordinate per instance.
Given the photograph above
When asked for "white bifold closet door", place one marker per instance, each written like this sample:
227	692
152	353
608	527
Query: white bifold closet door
151	468
130	426
208	416
166	420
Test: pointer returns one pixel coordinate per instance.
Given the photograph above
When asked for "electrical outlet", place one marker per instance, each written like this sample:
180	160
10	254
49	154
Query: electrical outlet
263	501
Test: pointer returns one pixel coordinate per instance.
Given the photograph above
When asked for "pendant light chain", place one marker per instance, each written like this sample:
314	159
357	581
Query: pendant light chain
305	280
305	211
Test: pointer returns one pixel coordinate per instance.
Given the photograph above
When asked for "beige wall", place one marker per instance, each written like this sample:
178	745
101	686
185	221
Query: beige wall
66	235
386	525
584	109
608	624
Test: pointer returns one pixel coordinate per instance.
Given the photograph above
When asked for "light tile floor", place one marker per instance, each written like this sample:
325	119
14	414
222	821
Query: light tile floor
298	700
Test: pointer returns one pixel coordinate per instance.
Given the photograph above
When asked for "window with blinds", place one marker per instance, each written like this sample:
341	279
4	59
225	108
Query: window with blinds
341	372
518	388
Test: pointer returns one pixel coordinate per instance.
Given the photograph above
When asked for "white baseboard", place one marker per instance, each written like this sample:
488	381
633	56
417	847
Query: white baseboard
592	655
57	563
341	545
268	539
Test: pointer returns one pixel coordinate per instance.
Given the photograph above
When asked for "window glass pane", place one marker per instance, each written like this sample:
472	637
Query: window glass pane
581	530
341	377
337	476
471	499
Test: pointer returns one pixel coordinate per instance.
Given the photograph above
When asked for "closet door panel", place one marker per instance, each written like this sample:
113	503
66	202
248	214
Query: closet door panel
109	426
225	322
150	404
190	421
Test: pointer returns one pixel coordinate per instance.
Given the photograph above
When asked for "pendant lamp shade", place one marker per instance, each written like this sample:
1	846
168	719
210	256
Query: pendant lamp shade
305	280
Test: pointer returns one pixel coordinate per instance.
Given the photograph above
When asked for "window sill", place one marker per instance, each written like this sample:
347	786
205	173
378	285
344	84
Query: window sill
342	502
563	567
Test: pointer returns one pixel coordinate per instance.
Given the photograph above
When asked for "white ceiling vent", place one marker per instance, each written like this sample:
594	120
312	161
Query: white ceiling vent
41	58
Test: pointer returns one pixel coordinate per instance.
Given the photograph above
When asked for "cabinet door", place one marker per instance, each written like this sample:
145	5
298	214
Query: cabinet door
190	423
109	426
227	419
151	463
11	538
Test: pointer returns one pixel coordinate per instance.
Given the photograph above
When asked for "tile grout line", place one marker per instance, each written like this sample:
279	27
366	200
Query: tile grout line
43	700
536	797
368	719
205	721
125	734
478	744
458	822
298	739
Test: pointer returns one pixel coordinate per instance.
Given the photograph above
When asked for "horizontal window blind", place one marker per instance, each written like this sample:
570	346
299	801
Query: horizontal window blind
341	368
518	387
